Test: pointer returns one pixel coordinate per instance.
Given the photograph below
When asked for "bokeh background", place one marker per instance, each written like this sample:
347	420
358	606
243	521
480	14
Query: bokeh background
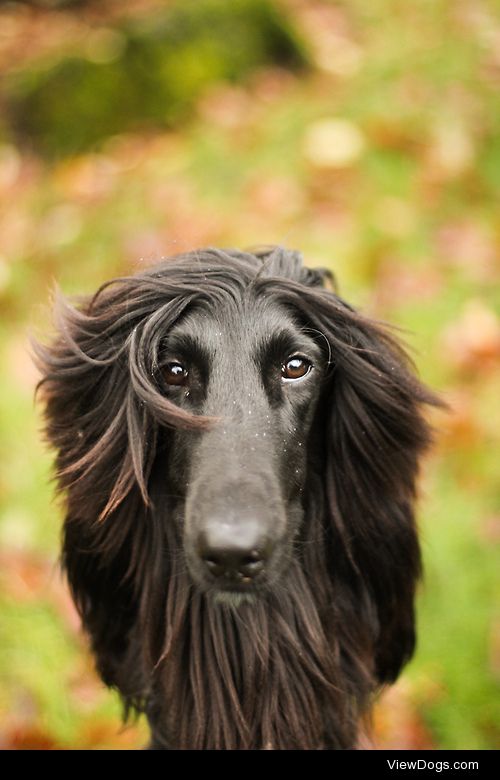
366	134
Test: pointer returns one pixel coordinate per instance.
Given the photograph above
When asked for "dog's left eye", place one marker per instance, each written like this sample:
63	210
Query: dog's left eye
295	368
175	374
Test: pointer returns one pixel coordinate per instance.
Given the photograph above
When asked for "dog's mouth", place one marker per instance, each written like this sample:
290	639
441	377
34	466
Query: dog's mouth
233	590
229	590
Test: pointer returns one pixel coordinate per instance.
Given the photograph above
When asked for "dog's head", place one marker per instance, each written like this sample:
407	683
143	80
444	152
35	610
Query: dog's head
255	369
228	416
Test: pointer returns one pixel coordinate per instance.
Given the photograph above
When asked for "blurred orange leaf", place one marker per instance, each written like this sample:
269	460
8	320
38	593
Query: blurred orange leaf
104	734
397	724
471	344
470	247
28	576
397	283
490	528
460	427
23	575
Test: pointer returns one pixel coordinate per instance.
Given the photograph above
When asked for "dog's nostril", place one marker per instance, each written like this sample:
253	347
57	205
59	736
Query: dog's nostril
232	562
252	564
214	566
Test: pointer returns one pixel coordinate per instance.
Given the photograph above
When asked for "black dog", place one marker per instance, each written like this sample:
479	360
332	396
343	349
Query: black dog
238	448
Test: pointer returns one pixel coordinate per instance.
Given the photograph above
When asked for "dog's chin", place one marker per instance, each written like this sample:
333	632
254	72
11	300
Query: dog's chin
231	594
233	598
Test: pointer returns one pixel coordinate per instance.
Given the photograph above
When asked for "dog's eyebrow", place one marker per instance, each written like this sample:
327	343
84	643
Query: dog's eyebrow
285	341
187	345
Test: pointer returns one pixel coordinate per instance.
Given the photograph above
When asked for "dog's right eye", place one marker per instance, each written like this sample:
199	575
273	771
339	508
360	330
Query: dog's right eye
175	374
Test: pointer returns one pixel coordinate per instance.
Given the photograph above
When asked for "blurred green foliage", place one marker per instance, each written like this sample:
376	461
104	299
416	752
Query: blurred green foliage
380	160
146	72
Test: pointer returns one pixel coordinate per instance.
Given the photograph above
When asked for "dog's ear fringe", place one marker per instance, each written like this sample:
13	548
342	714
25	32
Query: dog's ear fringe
375	434
282	263
102	400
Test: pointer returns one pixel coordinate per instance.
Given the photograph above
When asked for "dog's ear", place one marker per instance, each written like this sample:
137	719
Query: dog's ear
374	436
102	391
105	414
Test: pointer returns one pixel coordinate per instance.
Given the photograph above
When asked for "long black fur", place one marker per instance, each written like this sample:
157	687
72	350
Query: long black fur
296	665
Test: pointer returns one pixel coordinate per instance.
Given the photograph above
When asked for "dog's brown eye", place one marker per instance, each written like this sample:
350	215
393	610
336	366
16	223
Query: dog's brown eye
175	374
295	368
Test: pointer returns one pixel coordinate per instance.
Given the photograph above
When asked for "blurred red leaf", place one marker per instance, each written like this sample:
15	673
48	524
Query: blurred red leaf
29	737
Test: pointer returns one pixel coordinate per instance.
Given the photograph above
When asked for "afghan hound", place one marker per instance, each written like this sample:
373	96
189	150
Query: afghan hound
237	448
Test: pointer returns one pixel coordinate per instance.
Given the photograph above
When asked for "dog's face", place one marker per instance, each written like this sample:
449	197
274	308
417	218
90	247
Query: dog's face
258	372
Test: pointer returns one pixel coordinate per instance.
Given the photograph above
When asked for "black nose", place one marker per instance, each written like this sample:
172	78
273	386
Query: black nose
233	553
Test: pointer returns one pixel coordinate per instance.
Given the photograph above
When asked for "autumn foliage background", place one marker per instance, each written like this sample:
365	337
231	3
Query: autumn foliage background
366	134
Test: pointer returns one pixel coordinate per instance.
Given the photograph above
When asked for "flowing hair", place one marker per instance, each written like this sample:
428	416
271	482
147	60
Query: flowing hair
298	666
